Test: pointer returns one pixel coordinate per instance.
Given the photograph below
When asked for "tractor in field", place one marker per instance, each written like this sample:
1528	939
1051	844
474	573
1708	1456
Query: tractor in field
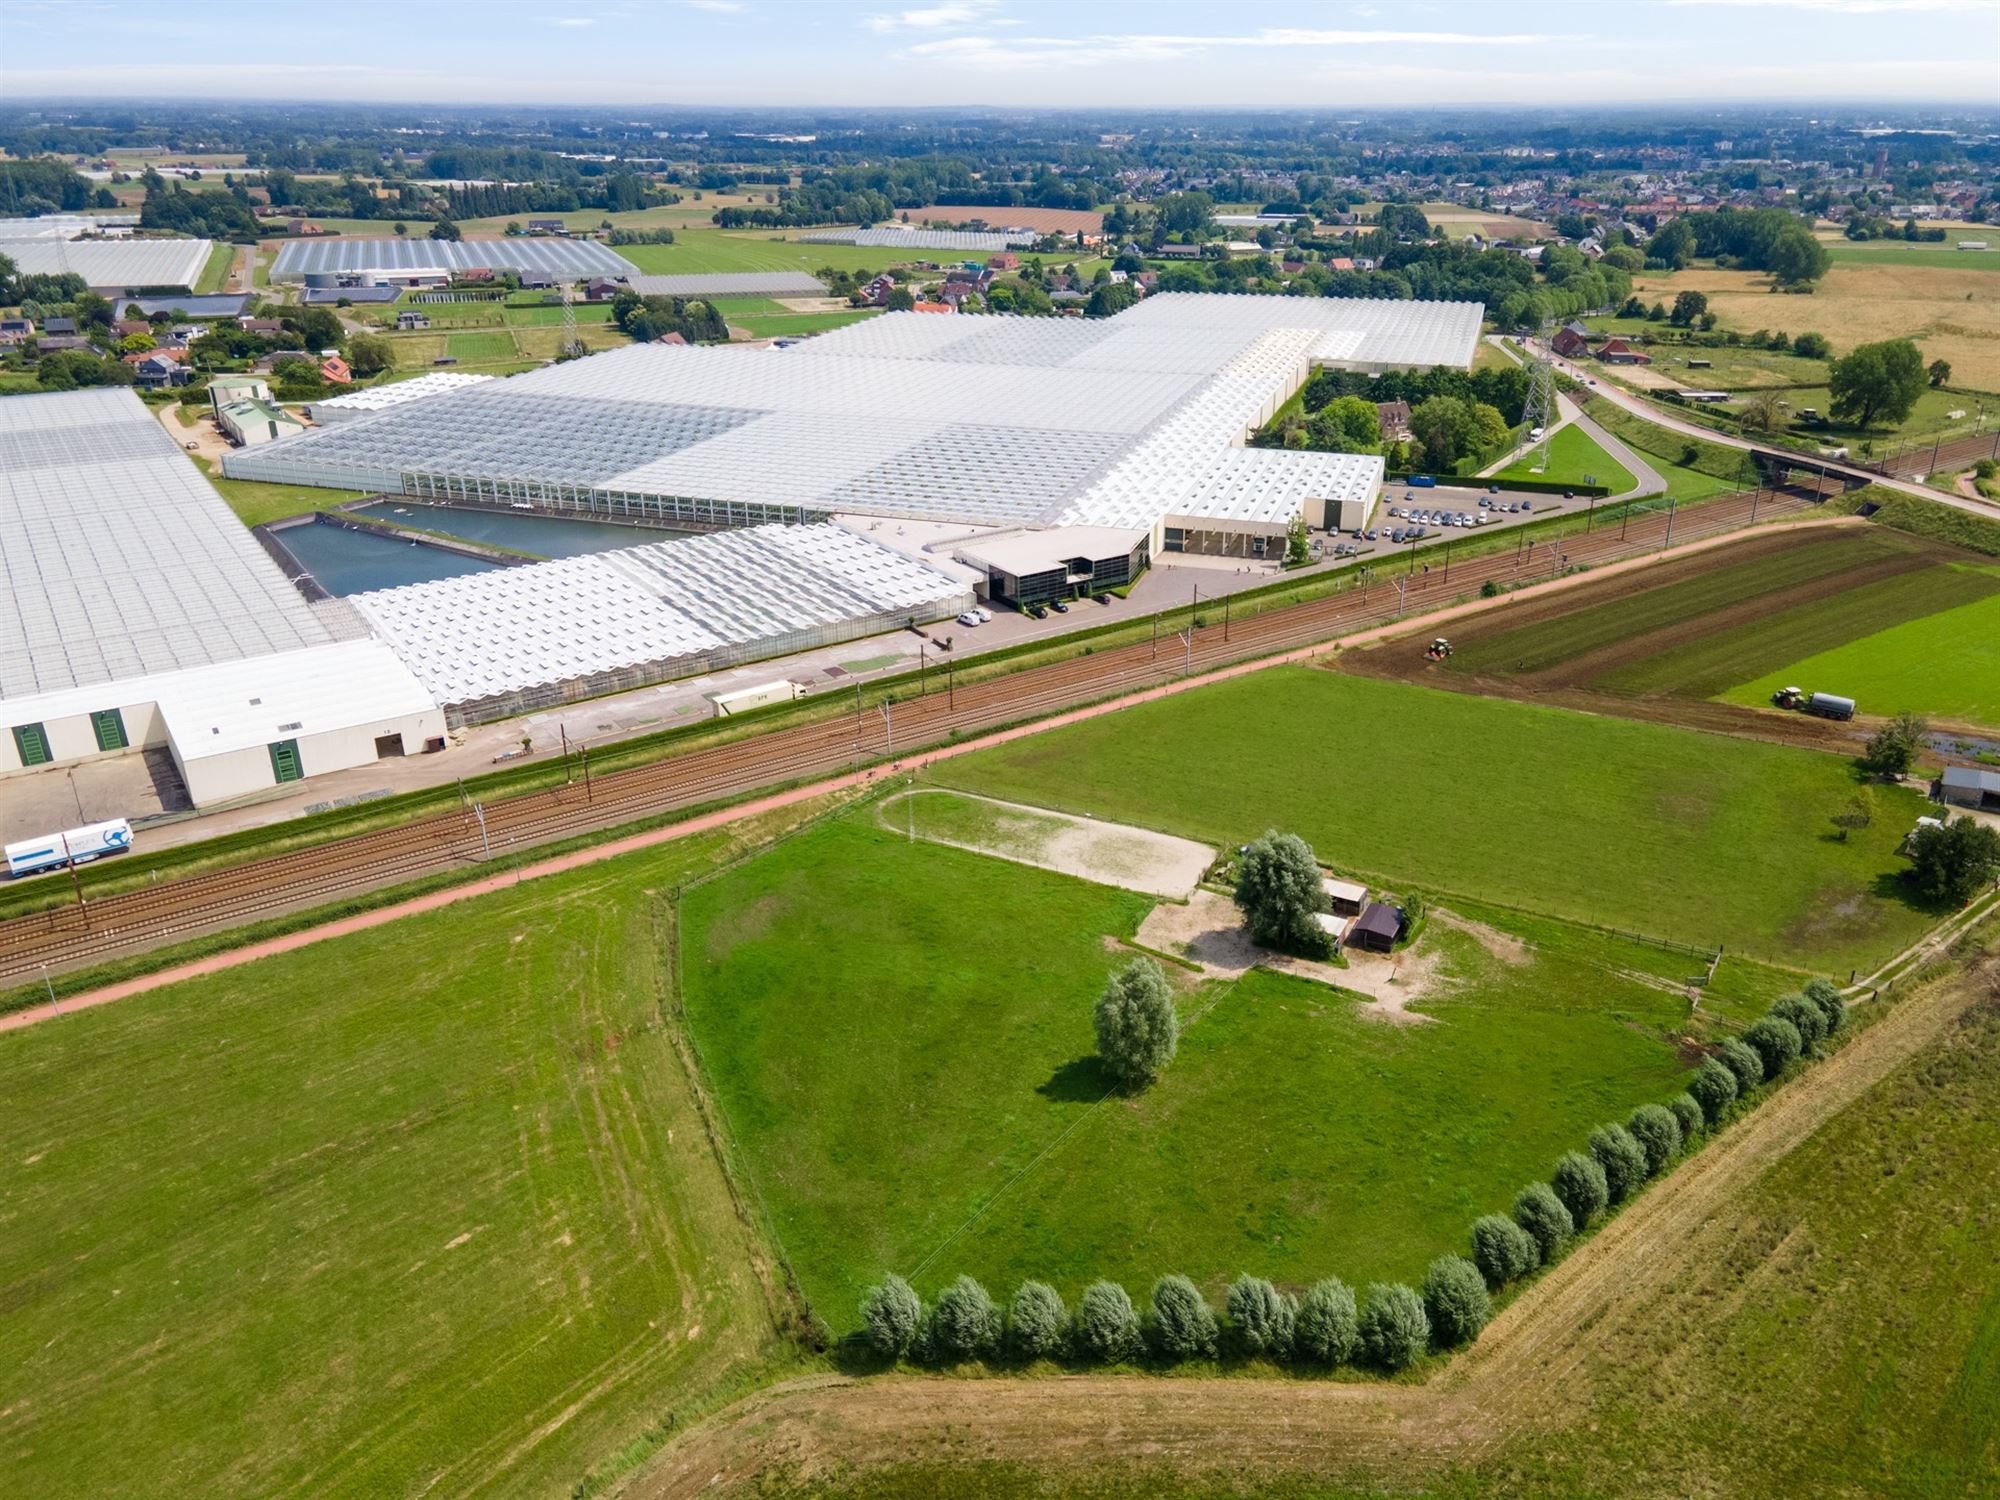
1790	697
1438	650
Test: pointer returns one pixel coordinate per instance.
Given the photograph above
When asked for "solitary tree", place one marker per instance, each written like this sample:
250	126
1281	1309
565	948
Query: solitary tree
1036	1321
1262	1319
444	229
1939	372
1877	380
1183	1322
1107	1325
1136	1025
1502	1249
1688	306
1714	1088
1394	1326
1953	862
890	1317
1894	748
1776	1041
1278	889
1812	346
1328	1328
1623	1160
1547	1221
1579	1182
964	1322
1455	1301
1658	1133
368	354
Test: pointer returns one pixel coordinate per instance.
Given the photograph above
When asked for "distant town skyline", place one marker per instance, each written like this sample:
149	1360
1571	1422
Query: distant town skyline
1021	53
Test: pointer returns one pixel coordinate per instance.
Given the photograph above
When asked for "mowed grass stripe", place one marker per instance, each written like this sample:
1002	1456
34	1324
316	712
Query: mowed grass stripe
1945	662
1675	833
364	1219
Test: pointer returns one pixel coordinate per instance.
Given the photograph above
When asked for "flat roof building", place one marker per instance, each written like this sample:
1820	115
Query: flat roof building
379	260
1970	786
136	611
113	267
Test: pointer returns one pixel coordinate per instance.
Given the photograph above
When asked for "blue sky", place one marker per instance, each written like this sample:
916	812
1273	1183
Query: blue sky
1008	52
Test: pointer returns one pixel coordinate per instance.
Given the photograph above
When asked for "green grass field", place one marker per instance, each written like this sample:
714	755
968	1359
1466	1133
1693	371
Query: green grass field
1945	662
480	348
1903	253
1575	457
426	1209
929	1102
704	250
1669	832
786	325
215	275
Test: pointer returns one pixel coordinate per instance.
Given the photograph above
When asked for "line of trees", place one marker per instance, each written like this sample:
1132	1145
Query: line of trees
1756	239
1389	1325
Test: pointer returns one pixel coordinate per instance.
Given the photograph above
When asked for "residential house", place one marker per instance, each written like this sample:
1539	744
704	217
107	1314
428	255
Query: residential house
1006	260
1394	419
60	342
934	307
1570	343
125	328
877	291
1147	280
1178	252
1619	352
304	227
59	325
158	369
670	337
263	327
16	330
602	289
334	369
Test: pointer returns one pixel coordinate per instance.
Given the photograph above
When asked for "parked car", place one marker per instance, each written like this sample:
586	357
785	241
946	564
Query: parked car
1526	506
970	617
1058	606
985	614
1038	612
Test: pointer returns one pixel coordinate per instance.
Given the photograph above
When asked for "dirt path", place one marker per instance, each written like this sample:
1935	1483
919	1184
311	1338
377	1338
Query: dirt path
1117	854
1533	1364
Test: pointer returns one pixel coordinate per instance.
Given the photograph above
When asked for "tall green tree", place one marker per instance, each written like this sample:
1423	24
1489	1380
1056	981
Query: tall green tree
1956	861
1136	1025
1881	380
1278	890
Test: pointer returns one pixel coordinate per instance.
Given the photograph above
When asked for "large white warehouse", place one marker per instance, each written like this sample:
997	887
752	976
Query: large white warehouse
136	612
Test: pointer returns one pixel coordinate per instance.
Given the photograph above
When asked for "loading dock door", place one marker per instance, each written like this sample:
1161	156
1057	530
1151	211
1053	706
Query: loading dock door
31	743
108	725
285	761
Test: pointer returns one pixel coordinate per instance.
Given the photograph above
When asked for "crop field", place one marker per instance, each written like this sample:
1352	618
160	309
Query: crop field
1950	310
1902	253
1678	834
1575	457
930	1102
424	1209
1918	624
479	348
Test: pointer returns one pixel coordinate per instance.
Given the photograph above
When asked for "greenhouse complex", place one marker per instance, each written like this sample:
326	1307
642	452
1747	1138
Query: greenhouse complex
1046	456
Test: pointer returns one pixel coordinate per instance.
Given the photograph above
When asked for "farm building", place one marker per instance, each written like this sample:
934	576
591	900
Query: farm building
415	262
1970	786
1377	928
139	614
113	268
251	422
224	389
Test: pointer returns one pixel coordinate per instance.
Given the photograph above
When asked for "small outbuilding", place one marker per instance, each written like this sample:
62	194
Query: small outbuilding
1344	897
1970	786
1377	928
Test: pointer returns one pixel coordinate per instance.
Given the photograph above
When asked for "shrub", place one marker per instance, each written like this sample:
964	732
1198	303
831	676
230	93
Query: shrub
1832	1008
1742	1060
1540	1211
1183	1323
1775	1041
1107	1327
1579	1182
1623	1160
1455	1301
1261	1318
1658	1134
1714	1088
1327	1329
1807	1019
1502	1249
1136	1025
890	1317
1036	1319
964	1322
1687	1114
1394	1327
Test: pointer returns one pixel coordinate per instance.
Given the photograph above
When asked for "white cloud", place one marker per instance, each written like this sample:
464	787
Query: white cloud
575	21
719	7
942	17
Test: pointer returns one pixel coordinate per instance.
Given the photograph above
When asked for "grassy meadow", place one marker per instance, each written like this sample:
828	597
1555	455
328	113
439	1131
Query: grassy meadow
1575	457
1674	833
929	1100
425	1209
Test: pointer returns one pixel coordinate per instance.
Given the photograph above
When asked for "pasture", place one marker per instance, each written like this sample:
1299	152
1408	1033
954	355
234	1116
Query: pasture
1679	834
713	250
1575	457
929	1100
424	1209
479	348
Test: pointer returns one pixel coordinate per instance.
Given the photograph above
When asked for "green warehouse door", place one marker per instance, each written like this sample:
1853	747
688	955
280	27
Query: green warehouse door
109	726
285	760
31	742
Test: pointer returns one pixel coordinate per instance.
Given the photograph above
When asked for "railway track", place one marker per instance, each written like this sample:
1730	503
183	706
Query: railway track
68	937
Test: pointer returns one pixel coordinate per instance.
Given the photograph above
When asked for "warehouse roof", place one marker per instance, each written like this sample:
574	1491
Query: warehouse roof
1973	777
117	559
63	226
482	635
992	420
922	239
215	305
381	397
346	255
1023	552
731	284
118	265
